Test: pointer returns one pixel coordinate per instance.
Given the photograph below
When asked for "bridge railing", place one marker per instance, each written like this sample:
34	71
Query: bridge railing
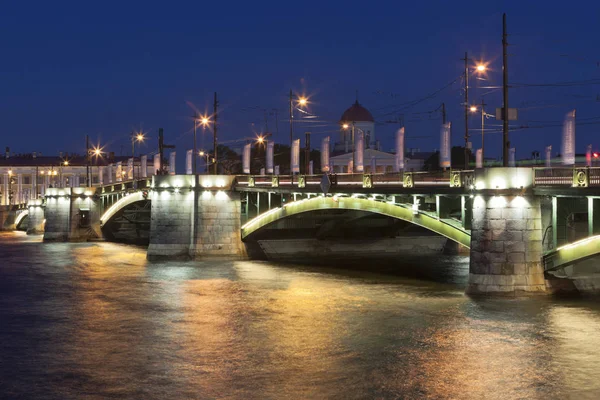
125	186
567	176
458	178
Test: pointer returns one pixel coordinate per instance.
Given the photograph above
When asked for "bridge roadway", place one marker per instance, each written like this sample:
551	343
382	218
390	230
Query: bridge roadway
513	219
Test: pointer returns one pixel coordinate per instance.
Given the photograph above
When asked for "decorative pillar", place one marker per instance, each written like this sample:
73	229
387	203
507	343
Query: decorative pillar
172	156
130	167
5	194
119	177
101	175
156	164
144	166
19	189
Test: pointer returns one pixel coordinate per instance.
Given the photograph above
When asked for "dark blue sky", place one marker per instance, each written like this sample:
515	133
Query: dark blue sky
105	68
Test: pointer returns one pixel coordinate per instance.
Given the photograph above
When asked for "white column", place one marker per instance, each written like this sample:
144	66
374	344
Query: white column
172	163
34	186
101	175
144	166
130	168
6	178
19	188
43	185
188	162
119	172
156	164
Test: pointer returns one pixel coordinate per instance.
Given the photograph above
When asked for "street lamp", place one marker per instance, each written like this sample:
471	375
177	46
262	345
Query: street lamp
346	126
302	101
203	153
135	137
474	109
203	120
479	68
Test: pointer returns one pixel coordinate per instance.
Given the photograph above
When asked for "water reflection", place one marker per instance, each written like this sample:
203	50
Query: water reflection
96	320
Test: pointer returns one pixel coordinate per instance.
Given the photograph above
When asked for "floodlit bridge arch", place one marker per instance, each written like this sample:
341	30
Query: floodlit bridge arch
20	216
403	212
121	204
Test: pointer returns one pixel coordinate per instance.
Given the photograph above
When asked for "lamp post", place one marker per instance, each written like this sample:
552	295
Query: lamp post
302	101
479	68
203	120
345	126
135	137
202	153
473	110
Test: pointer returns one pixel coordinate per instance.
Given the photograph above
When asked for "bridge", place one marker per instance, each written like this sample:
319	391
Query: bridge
520	224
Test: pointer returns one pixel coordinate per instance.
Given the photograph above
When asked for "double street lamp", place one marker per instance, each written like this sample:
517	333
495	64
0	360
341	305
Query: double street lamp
473	109
203	153
480	68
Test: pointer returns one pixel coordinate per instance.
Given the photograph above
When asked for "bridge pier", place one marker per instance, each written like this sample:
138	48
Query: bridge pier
506	234
72	214
195	216
36	217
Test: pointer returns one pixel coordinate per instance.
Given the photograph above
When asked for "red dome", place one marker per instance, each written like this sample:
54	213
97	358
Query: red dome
357	113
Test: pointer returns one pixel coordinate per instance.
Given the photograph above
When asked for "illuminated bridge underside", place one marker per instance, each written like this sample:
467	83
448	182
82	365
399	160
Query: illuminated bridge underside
20	217
572	253
398	211
122	203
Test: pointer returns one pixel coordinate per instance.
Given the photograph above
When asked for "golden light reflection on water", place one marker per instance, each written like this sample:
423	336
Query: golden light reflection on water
129	328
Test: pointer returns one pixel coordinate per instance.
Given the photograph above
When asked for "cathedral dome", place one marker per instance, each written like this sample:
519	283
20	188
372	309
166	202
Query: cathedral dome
357	113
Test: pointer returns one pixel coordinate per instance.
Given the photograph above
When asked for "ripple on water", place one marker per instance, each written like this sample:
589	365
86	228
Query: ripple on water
97	320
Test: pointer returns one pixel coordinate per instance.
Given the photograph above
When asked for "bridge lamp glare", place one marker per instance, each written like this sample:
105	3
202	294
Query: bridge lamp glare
345	126
473	109
302	101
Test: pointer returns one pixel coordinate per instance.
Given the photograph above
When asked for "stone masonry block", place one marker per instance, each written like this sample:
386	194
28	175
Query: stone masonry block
494	213
532	235
516	224
512	213
533	256
516	257
533	245
533	213
508	269
520	268
496	268
497	224
534	224
511	236
514	247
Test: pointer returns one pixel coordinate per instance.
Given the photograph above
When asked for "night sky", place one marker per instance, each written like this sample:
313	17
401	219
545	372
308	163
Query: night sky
105	68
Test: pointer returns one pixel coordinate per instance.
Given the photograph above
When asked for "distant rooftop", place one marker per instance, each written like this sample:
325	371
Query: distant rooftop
29	160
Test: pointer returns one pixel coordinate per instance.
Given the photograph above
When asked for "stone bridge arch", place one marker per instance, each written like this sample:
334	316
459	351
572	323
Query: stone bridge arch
20	218
120	205
127	220
452	231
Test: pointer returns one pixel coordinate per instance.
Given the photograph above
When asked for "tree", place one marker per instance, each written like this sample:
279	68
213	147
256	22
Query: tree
230	162
457	159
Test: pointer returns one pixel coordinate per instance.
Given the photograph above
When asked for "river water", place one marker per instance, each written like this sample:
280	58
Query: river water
96	320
